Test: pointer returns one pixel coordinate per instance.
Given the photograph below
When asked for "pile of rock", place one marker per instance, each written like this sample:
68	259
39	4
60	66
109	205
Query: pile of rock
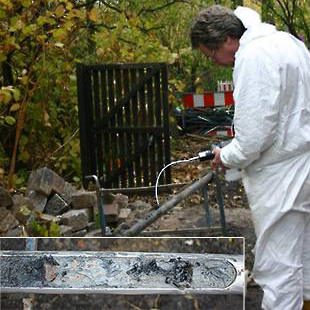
50	199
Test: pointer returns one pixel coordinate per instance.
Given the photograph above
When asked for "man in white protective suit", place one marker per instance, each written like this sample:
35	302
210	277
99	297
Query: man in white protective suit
272	143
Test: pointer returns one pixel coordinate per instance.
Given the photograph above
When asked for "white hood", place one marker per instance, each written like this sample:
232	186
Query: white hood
248	17
252	22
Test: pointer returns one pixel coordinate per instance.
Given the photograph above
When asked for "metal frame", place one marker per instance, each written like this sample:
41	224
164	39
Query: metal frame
201	184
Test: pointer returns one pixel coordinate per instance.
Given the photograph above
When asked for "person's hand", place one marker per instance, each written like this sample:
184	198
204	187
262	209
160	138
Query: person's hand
217	162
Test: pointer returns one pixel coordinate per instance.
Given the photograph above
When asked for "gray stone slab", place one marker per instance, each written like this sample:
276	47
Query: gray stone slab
83	199
56	205
38	200
65	231
77	219
45	181
6	199
7	220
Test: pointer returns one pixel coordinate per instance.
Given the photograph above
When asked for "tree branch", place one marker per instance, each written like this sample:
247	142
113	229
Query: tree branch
111	6
162	6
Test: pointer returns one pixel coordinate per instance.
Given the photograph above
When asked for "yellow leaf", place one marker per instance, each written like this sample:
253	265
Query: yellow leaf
60	10
25	79
41	20
2	57
59	34
5	96
46	119
93	15
16	94
59	44
10	120
69	6
7	3
14	107
20	24
26	3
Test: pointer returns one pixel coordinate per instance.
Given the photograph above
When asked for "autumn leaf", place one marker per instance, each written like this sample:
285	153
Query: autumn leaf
93	15
10	120
14	107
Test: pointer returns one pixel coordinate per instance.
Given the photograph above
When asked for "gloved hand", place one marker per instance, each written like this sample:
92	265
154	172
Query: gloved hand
217	162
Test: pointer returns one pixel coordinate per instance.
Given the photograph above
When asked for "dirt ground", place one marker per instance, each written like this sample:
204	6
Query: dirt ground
188	214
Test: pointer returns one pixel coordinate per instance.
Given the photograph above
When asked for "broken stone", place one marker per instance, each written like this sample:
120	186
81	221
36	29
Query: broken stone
124	214
38	200
121	200
56	205
80	233
111	212
7	220
47	218
22	208
94	233
45	181
6	199
15	232
21	200
23	214
77	219
91	226
141	206
67	192
83	200
65	231
107	198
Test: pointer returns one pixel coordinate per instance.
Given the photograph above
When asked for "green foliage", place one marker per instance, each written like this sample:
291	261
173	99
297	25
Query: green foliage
291	16
39	229
38	96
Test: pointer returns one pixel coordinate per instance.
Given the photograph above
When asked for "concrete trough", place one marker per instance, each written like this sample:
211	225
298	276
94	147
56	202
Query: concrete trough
120	273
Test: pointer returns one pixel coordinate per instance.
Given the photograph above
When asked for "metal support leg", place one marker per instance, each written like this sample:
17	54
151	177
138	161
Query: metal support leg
220	201
204	191
102	218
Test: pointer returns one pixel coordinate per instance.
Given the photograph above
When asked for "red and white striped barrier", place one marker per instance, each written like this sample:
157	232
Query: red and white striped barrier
208	99
225	86
224	133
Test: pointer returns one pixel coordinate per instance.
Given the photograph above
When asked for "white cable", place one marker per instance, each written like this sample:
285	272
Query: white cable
172	163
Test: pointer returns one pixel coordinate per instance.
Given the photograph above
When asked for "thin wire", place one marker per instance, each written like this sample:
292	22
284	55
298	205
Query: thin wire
172	163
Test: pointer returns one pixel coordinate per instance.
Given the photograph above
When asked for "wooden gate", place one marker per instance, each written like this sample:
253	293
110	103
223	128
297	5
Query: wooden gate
124	123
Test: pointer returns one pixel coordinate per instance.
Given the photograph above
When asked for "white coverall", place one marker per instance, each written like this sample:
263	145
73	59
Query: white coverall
272	146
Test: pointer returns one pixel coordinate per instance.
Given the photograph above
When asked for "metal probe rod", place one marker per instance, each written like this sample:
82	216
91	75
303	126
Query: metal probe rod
163	209
120	273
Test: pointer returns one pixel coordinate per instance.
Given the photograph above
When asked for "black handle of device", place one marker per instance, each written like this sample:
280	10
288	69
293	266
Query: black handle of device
206	155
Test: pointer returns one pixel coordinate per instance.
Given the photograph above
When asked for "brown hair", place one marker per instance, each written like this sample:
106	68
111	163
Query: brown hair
213	25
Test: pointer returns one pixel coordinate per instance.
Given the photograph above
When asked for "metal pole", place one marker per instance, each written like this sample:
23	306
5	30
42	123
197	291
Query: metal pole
204	191
102	219
120	273
220	200
164	208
